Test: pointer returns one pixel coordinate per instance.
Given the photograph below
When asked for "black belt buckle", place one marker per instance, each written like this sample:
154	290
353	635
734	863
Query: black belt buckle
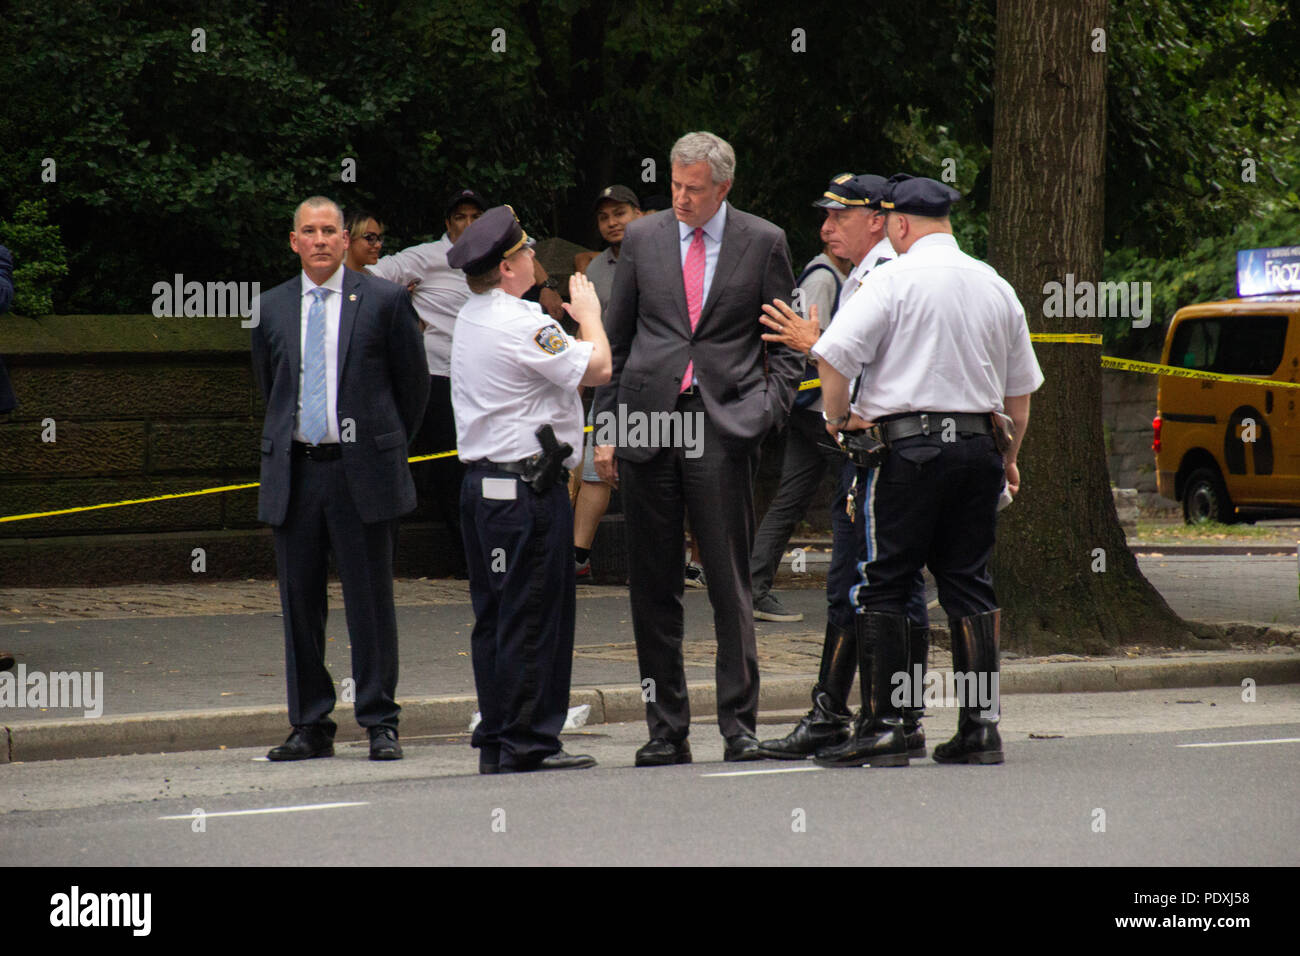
318	452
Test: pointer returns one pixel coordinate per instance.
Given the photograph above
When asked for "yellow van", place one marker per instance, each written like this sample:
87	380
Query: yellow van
1230	449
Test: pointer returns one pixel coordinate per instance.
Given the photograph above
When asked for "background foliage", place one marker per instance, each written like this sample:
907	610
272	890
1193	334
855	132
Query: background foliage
171	160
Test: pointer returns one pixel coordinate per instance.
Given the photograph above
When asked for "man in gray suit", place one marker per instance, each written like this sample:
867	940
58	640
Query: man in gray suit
686	342
339	359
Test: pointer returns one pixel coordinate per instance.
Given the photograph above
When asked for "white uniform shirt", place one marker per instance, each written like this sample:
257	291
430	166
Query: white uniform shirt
513	369
881	251
333	312
937	330
437	299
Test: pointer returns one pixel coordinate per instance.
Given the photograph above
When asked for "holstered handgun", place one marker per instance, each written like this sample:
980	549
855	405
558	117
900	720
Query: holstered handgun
547	467
866	447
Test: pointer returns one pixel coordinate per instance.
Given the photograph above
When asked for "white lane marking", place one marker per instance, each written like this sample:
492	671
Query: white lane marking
1246	743
249	813
754	773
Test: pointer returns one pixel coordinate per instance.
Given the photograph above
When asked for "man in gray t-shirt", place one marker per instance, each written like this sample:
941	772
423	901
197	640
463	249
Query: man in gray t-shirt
616	206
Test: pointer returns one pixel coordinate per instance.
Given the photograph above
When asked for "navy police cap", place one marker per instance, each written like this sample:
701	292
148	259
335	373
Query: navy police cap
847	191
493	236
919	196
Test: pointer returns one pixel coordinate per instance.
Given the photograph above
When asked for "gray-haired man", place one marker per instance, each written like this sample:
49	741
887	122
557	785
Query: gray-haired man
684	333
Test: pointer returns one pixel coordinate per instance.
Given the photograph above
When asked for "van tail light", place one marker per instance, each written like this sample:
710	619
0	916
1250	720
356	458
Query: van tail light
1156	423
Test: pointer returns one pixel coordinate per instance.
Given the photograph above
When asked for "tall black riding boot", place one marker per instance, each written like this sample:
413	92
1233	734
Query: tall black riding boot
975	654
877	739
918	641
828	721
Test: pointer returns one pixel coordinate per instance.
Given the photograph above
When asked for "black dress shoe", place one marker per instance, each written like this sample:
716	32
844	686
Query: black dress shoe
303	744
487	765
662	752
742	747
384	745
556	761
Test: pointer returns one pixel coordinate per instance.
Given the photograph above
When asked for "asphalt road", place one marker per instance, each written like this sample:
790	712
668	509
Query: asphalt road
1129	759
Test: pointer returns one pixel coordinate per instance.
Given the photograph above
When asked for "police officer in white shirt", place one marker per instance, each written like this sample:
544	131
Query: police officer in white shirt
944	350
854	228
513	371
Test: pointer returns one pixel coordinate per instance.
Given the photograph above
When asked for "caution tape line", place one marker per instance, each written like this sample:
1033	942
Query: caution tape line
1128	365
1133	365
1071	338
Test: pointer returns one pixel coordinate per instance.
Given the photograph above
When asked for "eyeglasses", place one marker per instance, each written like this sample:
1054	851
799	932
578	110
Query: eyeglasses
374	238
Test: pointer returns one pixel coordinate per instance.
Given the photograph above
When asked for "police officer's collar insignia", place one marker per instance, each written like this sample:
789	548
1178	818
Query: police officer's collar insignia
550	339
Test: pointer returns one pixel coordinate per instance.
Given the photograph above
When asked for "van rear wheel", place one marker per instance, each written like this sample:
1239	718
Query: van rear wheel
1206	499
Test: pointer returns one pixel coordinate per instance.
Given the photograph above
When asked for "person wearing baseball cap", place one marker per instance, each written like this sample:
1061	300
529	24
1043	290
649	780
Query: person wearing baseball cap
437	292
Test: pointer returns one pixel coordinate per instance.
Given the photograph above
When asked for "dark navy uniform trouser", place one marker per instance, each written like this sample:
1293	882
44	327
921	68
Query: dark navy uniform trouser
521	580
849	555
932	503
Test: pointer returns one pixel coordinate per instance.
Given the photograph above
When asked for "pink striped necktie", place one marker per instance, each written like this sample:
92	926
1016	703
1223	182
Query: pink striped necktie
693	278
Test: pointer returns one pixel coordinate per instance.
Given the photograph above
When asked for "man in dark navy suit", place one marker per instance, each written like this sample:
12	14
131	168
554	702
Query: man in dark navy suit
339	359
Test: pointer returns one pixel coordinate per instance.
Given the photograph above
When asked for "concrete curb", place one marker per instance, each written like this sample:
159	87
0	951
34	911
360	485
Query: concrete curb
175	731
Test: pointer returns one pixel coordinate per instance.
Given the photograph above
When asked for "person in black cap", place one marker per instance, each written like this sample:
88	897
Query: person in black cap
854	228
616	206
438	292
945	355
514	378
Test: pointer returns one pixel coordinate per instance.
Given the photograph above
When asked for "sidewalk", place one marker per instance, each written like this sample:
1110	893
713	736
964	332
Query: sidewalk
200	666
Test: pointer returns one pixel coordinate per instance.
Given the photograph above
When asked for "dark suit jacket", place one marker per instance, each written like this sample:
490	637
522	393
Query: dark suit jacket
383	384
7	400
746	385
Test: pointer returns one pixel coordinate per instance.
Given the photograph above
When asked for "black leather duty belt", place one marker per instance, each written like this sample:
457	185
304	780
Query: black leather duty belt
513	467
933	423
317	452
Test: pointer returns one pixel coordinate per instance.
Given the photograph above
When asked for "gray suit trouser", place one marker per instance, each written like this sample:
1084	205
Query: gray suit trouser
717	491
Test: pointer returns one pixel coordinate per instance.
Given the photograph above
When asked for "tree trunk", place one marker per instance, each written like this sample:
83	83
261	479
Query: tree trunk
1065	577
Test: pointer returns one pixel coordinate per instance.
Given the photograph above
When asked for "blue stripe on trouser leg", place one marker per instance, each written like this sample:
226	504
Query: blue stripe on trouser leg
867	505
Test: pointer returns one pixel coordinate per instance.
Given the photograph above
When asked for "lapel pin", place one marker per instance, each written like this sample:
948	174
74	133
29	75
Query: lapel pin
352	297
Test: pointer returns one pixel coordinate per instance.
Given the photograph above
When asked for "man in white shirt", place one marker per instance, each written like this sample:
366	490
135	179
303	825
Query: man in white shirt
854	229
944	350
439	293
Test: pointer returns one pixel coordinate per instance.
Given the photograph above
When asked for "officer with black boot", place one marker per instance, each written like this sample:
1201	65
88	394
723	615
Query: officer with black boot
946	360
854	229
514	385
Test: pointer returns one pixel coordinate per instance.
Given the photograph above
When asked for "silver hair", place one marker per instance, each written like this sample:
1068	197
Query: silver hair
316	202
706	148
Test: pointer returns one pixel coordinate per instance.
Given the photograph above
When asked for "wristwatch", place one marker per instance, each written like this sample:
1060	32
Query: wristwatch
837	422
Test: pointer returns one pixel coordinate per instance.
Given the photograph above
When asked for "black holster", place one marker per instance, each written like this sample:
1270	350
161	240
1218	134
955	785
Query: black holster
544	469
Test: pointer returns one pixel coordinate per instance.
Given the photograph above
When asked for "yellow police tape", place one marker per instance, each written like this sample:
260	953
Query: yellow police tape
1132	365
1128	365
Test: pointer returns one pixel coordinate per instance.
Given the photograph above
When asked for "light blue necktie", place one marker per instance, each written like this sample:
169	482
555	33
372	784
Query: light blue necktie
314	391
